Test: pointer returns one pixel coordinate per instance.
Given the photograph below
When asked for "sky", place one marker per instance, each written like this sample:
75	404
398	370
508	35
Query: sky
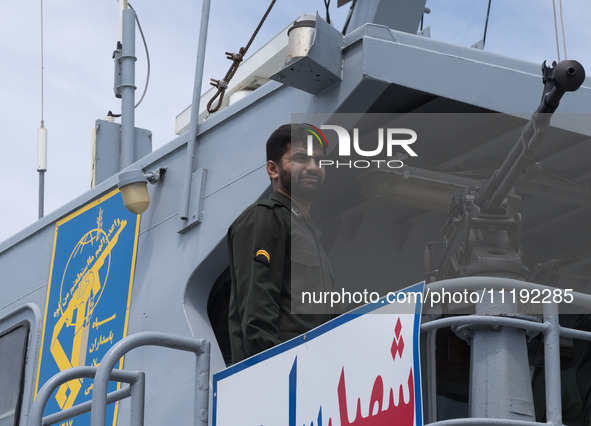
80	36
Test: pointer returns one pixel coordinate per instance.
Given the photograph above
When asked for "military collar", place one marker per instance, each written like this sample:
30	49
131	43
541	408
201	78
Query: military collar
296	212
286	201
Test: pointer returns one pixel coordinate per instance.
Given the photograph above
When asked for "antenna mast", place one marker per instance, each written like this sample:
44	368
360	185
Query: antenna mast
41	137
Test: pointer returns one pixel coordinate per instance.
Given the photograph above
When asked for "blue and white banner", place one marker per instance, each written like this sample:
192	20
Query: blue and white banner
361	368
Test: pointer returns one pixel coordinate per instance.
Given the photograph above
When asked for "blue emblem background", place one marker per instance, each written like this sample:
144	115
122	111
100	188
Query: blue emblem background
88	296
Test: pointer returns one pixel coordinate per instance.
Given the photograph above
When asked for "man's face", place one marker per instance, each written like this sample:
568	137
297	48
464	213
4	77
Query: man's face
300	174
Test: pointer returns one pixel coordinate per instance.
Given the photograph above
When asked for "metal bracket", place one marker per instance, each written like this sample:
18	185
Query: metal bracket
425	32
107	149
478	45
196	201
117	71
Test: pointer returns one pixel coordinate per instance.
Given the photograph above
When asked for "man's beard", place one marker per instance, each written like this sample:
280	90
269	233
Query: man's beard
285	179
303	192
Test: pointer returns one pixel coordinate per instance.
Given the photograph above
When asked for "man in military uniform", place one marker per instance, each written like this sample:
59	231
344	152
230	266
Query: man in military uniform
275	253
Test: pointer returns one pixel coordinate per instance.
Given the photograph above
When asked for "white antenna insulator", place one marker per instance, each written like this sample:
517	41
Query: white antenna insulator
42	149
122	5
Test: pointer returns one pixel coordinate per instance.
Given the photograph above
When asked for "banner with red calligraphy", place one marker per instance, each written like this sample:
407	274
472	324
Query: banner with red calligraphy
360	369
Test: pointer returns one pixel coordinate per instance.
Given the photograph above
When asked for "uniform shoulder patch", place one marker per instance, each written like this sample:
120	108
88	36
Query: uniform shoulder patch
262	256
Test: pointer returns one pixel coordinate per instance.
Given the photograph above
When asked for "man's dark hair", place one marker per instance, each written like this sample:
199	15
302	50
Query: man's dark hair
278	142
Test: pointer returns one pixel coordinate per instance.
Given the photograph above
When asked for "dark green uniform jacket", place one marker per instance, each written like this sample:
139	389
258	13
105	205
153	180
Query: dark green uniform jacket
266	251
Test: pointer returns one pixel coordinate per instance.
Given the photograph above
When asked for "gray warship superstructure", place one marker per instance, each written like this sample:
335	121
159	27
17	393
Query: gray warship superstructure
94	273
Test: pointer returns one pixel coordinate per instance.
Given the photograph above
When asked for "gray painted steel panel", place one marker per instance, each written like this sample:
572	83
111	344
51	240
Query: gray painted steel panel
174	272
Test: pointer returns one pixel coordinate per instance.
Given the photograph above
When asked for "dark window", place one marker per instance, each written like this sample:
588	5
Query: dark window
13	346
217	310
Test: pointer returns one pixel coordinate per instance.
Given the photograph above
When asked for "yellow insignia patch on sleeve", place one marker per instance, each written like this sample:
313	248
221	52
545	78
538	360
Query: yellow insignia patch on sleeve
263	256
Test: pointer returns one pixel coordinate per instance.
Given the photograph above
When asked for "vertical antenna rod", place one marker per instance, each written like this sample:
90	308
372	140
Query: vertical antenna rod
486	24
194	126
127	88
41	137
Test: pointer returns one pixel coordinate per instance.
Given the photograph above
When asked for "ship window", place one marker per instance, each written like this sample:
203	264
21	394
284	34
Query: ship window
13	346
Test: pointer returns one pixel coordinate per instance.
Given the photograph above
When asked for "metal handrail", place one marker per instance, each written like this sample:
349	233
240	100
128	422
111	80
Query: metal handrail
486	421
484	320
550	328
498	283
135	379
200	347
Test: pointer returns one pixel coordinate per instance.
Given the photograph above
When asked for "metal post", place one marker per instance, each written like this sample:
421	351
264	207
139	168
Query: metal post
432	375
138	395
194	126
127	89
41	161
41	192
499	384
552	365
202	386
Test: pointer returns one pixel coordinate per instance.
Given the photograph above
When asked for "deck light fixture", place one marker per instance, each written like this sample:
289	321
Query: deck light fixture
301	36
134	188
